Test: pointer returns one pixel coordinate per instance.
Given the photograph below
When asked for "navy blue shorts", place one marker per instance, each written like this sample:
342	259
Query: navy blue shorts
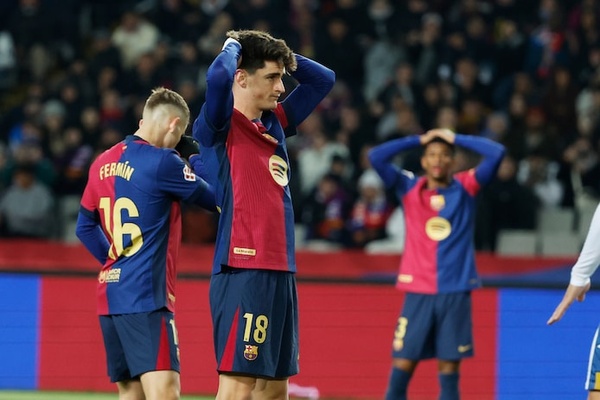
255	322
139	343
434	326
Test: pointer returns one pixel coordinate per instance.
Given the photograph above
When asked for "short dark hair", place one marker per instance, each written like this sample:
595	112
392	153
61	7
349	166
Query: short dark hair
259	46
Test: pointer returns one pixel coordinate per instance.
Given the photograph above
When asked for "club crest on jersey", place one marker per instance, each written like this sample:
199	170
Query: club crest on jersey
438	228
278	169
437	202
188	174
250	352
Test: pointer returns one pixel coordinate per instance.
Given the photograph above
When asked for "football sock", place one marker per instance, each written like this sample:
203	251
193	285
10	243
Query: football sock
449	386
398	384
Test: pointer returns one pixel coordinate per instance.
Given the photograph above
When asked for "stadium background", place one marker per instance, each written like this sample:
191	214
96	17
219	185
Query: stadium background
486	61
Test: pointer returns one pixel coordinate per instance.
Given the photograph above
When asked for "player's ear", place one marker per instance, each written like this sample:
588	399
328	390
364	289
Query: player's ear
173	124
140	123
240	77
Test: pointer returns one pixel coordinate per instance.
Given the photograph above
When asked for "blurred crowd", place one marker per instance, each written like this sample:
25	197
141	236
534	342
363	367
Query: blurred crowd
74	75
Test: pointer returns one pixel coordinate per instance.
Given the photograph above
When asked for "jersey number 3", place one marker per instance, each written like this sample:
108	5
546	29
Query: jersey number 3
117	230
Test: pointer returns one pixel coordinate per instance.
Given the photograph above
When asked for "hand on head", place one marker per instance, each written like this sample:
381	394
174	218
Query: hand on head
444	134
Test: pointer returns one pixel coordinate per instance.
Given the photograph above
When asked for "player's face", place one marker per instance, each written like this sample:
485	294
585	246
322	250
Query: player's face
437	161
266	85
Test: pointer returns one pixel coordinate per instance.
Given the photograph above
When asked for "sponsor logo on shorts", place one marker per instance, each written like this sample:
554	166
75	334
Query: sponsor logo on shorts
110	276
244	251
464	348
405	278
250	352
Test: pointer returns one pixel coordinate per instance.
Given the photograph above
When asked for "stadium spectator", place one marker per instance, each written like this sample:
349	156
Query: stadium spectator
130	221
27	206
370	211
245	125
438	264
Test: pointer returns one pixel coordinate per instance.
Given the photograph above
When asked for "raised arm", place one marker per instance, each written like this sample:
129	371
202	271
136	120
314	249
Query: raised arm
491	151
381	158
218	107
315	81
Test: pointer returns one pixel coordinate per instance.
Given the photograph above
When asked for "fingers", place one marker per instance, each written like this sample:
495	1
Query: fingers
558	313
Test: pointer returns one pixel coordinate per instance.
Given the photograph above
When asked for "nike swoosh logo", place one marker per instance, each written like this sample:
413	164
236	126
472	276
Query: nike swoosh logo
464	349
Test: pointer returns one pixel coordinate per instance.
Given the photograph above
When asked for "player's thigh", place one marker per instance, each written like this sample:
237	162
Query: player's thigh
161	385
234	387
454	332
414	334
255	322
149	341
271	389
131	390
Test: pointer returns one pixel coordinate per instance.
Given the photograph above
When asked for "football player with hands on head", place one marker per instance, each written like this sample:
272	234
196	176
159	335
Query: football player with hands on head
244	124
580	283
437	271
130	220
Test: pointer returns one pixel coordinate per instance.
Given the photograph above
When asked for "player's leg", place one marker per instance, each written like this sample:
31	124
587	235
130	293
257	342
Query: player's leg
270	389
235	387
592	383
151	348
413	341
161	385
454	339
256	334
130	389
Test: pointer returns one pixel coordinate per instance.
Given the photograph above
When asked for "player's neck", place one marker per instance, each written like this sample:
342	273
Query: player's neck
434	183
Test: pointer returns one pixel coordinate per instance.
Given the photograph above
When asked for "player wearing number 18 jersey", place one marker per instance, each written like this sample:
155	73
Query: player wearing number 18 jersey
253	288
130	220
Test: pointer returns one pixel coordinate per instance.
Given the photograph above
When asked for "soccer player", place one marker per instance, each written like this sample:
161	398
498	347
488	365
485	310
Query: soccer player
253	289
437	270
130	220
587	263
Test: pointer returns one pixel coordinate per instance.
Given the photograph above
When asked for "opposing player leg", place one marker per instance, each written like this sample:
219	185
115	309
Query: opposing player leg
592	382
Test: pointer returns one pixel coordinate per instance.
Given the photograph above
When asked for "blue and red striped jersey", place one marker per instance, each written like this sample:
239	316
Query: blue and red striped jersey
133	194
439	254
256	225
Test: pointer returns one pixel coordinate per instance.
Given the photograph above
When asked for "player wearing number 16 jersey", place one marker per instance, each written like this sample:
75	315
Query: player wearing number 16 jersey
130	220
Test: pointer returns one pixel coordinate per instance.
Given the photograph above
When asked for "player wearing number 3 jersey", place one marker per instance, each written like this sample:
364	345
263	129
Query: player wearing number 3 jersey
130	220
438	265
